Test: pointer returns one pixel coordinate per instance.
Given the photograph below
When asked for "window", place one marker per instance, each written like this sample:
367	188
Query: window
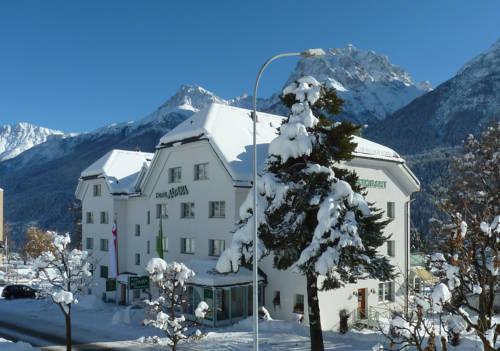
161	211
149	217
277	299
165	243
391	248
148	247
391	210
299	304
386	291
104	218
137	259
201	171
217	209
175	175
90	217
187	245
216	247
97	189
187	210
89	243
137	294
137	230
104	245
104	271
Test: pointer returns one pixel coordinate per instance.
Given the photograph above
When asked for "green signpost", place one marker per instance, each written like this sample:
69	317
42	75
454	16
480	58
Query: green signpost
141	282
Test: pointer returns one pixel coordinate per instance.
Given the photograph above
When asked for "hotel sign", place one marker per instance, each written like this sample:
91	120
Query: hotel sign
173	192
141	282
370	183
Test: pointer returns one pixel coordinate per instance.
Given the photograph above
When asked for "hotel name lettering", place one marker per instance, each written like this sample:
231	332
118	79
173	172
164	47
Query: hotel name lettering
370	183
174	192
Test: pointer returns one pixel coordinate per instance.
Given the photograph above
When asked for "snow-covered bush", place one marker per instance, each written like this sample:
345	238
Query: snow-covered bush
166	311
468	230
63	274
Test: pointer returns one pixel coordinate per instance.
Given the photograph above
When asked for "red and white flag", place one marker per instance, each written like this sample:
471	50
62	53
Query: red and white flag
113	253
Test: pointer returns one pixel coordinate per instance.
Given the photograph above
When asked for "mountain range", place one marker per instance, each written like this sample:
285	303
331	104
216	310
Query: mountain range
375	91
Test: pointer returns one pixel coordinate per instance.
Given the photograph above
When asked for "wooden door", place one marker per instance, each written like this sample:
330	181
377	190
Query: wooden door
362	303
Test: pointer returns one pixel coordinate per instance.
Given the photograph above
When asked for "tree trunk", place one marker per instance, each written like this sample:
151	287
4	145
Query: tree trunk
315	331
68	329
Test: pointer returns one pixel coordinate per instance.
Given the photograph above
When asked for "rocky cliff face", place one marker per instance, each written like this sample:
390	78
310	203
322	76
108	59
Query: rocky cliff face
446	115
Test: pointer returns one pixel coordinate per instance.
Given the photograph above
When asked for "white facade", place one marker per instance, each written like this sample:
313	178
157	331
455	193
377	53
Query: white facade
201	171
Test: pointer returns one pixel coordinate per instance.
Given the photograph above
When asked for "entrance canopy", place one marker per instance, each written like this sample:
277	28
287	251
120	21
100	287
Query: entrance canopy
207	275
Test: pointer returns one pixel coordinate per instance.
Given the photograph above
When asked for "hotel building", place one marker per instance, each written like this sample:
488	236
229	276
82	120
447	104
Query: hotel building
193	186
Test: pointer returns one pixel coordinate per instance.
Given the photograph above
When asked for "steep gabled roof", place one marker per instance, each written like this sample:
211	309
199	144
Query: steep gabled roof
120	168
229	130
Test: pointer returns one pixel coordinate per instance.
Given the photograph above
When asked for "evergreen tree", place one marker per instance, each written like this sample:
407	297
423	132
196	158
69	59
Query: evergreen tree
312	214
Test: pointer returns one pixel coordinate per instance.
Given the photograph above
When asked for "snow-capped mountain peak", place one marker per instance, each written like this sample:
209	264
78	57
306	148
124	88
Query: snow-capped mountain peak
20	137
370	84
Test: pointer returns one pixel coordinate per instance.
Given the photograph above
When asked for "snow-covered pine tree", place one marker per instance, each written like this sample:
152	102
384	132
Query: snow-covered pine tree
63	274
312	214
468	263
166	311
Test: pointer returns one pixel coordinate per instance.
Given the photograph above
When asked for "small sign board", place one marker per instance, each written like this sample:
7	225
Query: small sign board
111	284
141	282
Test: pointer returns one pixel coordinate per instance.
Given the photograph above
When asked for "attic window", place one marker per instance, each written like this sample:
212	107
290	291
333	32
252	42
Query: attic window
97	190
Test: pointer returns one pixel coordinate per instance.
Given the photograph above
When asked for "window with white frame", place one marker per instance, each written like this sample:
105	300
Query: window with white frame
89	243
187	210
137	230
104	245
97	190
161	211
277	299
391	210
89	217
298	306
391	248
386	292
216	247
164	243
217	209
187	245
201	171
104	272
104	217
175	175
137	259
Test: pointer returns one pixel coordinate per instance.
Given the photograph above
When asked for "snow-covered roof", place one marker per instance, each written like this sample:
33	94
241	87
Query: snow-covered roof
367	148
120	168
206	274
230	131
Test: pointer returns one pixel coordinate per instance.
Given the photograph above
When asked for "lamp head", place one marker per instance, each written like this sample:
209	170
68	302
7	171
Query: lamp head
313	53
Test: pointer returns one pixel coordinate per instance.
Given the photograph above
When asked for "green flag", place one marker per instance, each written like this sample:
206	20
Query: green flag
159	241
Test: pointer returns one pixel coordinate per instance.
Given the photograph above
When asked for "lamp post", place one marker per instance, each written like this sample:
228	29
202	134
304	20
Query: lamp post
311	53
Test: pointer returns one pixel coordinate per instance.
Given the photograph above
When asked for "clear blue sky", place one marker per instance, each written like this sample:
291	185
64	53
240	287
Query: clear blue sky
80	65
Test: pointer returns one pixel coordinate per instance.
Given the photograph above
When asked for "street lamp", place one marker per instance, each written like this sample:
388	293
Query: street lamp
311	53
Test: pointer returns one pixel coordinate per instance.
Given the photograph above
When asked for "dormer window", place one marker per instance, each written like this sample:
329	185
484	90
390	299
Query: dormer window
97	190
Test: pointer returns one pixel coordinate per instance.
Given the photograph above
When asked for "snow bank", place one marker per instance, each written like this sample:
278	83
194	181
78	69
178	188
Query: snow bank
7	345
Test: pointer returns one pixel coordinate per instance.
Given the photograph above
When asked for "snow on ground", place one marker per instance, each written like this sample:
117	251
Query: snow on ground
118	327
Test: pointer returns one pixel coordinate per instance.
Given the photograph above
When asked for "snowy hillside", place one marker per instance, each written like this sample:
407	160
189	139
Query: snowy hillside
446	115
17	138
370	84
